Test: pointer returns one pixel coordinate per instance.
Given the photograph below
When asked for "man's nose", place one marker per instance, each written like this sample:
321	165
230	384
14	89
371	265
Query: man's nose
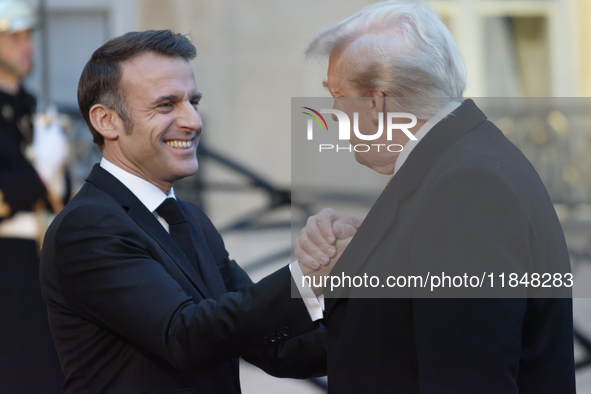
30	45
26	39
190	119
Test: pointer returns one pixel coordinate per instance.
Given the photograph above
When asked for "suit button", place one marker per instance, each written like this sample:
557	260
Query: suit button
284	331
266	340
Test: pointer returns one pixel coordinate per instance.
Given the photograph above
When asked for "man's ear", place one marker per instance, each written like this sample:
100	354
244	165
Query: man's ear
377	103
106	121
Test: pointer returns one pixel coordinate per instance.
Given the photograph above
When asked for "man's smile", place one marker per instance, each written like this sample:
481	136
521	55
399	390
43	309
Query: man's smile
179	144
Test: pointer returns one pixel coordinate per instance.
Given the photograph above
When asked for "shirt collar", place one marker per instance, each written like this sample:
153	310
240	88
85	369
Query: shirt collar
411	144
146	192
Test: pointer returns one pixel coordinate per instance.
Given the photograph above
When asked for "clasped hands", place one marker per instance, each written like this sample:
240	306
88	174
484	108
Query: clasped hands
322	242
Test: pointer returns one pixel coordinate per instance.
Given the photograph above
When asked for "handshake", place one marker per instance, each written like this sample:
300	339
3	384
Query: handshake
322	242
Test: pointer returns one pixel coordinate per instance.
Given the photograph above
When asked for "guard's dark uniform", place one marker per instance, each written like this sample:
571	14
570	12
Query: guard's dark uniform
28	361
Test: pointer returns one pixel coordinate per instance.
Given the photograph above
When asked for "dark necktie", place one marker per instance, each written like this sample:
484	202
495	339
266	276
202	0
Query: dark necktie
177	226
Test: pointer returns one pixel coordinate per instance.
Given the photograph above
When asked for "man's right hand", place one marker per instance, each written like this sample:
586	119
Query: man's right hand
318	244
316	276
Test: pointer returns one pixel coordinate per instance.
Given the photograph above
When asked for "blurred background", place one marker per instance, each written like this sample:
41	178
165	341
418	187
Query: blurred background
250	64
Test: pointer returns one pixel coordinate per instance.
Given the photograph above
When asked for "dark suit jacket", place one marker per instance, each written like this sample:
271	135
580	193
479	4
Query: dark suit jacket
466	198
130	314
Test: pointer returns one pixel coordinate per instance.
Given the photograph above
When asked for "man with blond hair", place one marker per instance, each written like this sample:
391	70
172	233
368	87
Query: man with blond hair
461	198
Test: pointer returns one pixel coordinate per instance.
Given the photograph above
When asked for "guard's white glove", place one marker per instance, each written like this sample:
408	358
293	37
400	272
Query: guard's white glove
49	151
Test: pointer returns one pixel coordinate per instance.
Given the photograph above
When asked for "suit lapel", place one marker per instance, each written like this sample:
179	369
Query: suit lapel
148	222
382	215
210	273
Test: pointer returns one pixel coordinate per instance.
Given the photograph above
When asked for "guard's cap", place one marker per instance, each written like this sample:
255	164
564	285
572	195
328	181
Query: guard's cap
16	15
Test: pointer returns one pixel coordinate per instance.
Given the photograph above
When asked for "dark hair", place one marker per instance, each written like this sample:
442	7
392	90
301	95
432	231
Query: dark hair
99	82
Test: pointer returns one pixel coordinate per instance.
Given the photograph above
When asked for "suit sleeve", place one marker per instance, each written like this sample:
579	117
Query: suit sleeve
300	357
108	276
472	222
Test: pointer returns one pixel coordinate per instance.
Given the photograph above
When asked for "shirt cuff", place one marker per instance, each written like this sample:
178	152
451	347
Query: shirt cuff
314	305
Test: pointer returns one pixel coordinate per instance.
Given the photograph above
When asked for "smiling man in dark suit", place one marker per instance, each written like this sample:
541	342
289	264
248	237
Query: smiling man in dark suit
461	198
141	294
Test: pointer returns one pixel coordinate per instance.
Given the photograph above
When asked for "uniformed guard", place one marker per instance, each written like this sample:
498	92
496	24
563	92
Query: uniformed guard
28	361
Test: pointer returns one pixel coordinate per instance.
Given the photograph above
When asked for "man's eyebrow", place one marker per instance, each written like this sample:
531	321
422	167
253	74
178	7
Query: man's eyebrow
326	84
170	97
175	98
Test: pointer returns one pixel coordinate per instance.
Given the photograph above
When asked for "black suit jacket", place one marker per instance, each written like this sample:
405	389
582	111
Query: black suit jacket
19	183
130	314
466	198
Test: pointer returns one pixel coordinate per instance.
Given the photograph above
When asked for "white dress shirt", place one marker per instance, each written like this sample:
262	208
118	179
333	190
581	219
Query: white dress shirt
149	194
